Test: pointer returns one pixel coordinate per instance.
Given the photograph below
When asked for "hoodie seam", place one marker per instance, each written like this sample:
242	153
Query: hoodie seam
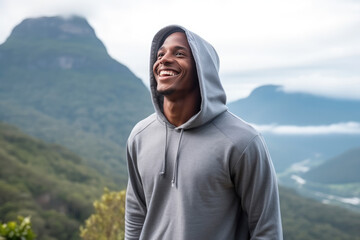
245	149
142	129
235	145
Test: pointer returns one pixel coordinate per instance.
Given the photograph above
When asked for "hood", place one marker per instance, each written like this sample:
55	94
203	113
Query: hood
213	98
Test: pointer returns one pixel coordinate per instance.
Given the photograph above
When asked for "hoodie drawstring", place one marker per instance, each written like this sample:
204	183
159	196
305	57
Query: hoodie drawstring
175	172
165	151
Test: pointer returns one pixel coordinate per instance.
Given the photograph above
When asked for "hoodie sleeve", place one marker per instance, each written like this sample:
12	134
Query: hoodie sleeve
256	184
135	210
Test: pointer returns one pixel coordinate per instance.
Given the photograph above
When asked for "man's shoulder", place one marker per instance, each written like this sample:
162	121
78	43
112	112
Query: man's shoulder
235	129
142	125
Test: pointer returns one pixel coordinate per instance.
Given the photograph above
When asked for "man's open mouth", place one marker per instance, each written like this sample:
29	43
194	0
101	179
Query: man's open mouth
165	73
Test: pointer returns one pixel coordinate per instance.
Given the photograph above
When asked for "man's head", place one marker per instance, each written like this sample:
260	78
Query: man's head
174	69
194	77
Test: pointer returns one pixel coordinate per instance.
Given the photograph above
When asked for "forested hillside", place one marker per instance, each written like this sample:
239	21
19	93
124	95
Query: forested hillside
56	189
58	83
48	183
305	219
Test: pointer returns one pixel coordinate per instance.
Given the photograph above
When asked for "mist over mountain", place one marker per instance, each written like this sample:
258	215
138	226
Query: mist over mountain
318	163
58	83
271	105
56	43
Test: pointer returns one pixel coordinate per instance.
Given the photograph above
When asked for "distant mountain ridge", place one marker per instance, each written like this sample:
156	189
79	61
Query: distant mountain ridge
269	104
338	170
58	83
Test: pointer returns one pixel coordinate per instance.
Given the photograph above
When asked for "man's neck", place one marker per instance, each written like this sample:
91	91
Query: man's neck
179	111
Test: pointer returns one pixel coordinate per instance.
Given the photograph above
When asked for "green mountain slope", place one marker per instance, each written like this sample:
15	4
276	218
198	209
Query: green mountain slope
305	219
53	185
58	83
47	182
338	170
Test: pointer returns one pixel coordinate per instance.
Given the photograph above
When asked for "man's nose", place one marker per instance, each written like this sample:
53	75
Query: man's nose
167	58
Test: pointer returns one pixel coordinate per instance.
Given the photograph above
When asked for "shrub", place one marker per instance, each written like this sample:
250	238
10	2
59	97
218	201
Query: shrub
20	230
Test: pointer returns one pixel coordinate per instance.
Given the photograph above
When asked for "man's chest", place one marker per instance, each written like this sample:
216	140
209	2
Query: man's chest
198	161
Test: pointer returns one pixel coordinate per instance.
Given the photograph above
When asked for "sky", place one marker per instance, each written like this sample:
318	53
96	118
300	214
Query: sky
303	45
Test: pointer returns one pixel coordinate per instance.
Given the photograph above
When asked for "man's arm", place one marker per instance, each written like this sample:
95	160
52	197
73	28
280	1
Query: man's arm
256	184
135	209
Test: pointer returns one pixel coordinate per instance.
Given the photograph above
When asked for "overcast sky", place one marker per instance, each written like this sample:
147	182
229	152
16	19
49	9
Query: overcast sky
304	45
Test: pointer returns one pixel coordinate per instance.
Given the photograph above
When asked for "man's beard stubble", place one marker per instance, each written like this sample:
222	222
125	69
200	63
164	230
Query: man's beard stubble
166	92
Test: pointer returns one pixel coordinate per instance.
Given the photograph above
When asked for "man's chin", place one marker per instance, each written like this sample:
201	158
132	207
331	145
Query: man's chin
165	92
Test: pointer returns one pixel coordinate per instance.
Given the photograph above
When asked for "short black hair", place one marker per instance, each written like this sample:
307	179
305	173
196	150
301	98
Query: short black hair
171	31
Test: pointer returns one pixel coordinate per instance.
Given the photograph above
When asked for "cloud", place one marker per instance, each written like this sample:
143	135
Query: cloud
336	77
330	85
251	37
348	128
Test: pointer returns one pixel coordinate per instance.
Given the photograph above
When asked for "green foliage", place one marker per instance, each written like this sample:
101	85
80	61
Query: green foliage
305	219
100	154
37	179
107	223
46	181
20	230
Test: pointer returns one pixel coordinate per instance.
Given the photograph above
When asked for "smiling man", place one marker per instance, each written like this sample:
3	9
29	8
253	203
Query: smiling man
196	171
176	79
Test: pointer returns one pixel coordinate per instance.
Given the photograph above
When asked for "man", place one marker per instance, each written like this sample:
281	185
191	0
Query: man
196	172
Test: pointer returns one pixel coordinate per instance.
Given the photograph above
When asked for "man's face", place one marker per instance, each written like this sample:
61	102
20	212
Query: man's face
174	69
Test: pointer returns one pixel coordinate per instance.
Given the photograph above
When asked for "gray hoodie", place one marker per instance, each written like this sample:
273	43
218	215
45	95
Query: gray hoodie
210	178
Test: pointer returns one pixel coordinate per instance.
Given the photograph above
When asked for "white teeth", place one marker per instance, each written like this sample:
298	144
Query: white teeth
167	73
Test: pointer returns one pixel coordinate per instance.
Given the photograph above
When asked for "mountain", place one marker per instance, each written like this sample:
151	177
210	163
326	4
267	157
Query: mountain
270	104
287	150
334	181
56	188
341	169
306	219
47	182
58	83
306	162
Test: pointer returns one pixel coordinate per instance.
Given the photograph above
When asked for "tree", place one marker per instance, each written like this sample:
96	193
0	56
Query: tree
107	223
20	230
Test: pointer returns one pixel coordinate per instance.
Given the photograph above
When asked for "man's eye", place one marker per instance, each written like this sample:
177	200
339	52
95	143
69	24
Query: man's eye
160	55
179	54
